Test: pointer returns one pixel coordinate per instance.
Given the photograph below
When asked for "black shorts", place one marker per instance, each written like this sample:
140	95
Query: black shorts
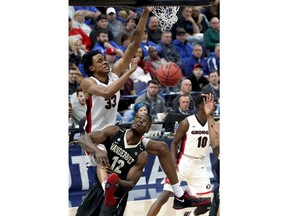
93	204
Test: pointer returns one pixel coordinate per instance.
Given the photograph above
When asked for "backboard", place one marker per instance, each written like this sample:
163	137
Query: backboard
140	3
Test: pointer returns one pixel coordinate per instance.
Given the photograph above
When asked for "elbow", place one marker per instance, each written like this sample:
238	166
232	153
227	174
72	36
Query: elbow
108	93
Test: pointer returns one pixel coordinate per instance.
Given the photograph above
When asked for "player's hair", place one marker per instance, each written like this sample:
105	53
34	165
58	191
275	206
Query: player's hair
199	101
87	61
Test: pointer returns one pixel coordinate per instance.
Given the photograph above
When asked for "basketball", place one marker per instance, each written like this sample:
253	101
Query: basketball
169	74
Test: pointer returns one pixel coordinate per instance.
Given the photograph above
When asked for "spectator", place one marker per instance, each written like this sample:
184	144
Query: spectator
183	47
200	19
151	96
75	45
73	55
101	23
153	61
113	24
185	89
78	107
187	22
212	10
167	50
196	58
90	12
74	78
86	41
129	27
213	87
145	43
128	88
182	109
123	14
153	29
78	21
140	75
139	108
212	35
197	79
103	43
111	57
213	61
125	41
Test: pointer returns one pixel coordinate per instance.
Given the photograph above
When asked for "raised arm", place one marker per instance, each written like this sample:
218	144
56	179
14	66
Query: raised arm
122	64
213	126
134	173
88	85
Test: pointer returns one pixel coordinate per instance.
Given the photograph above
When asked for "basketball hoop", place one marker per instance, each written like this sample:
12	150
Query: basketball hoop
167	16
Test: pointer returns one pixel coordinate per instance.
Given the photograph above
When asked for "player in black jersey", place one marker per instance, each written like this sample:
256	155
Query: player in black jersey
126	157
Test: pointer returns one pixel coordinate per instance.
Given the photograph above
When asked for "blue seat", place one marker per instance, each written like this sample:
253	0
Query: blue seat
129	115
139	86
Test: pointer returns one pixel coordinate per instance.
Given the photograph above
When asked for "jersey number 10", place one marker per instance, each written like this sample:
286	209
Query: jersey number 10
202	142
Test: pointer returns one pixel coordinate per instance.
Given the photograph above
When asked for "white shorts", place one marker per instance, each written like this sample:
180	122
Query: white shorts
194	172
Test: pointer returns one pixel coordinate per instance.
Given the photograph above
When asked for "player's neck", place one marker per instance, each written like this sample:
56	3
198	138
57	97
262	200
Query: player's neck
133	137
102	77
201	117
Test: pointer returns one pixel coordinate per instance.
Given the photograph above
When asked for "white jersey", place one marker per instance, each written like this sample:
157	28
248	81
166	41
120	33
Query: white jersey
196	141
101	112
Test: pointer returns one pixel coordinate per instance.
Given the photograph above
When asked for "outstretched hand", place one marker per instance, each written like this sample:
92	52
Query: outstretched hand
209	105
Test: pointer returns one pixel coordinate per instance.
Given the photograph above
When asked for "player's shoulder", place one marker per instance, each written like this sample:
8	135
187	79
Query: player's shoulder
88	80
111	130
191	119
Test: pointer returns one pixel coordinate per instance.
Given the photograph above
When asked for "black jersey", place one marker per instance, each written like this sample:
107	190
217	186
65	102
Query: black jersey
121	155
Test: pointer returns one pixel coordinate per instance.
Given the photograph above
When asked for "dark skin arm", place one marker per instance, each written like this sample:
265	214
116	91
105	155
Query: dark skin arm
134	173
89	86
89	143
213	127
122	64
181	132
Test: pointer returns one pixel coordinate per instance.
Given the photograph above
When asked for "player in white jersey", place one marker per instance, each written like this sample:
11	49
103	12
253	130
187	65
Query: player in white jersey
189	158
101	111
102	88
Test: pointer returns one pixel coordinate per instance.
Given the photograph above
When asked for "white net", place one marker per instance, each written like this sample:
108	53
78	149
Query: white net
167	16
